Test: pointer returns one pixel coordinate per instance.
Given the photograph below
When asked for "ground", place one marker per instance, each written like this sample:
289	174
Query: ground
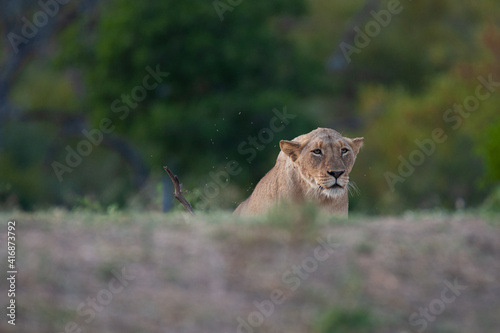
289	272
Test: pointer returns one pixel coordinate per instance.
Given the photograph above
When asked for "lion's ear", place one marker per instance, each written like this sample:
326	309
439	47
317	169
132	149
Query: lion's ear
356	144
290	148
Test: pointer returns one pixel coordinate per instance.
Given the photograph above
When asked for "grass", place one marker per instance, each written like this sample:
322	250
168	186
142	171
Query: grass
342	320
206	273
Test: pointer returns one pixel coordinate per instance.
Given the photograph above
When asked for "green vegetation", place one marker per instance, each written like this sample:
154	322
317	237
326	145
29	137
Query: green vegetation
108	92
347	321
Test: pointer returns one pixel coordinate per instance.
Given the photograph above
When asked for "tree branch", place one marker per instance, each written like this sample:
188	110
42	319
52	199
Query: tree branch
178	192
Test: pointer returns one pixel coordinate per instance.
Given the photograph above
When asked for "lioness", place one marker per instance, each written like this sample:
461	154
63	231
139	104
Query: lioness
312	167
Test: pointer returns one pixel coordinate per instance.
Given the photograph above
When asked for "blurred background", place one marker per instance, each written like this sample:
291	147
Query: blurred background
96	96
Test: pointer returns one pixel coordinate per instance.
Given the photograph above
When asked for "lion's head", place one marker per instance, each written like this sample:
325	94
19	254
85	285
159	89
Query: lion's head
324	159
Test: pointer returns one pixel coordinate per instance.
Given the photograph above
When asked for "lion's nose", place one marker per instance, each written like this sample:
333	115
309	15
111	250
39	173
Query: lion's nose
336	174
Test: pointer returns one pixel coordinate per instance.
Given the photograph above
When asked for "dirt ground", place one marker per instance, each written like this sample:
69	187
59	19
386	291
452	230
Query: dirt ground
153	272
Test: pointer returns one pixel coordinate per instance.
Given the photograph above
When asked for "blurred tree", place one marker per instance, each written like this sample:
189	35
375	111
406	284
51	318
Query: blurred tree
396	90
423	169
212	83
29	91
192	85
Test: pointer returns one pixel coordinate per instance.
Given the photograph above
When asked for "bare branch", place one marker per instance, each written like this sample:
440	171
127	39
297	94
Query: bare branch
178	192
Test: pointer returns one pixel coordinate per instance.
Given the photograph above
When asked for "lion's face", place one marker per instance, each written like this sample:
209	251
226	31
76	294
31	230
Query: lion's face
324	159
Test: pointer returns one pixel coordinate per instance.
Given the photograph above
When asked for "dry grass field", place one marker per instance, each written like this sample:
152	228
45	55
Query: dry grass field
291	272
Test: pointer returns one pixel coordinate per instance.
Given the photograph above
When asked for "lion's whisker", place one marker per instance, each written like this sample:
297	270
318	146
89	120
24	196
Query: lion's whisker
352	188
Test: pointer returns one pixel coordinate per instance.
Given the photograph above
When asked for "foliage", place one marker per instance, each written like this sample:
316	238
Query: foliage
338	320
492	202
451	169
224	79
222	75
228	75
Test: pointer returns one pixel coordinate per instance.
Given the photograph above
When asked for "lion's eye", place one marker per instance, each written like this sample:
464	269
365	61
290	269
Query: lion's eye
344	150
317	151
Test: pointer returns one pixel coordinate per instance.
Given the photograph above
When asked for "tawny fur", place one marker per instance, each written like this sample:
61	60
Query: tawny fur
303	172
